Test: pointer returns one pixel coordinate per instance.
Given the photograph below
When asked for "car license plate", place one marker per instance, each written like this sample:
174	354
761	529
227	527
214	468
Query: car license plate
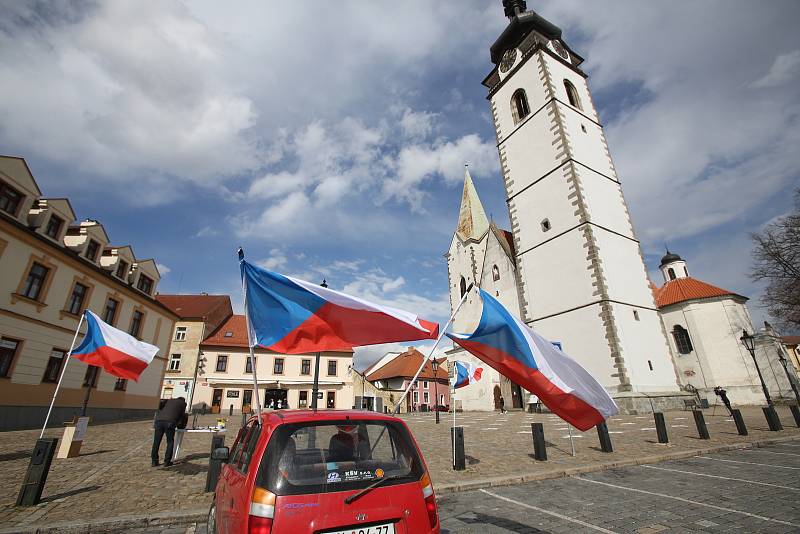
387	528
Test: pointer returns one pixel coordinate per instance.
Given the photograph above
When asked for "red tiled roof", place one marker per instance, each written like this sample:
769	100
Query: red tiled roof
406	364
193	306
791	340
688	288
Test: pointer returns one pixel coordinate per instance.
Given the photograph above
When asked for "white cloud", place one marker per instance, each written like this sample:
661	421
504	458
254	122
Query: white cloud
162	269
276	261
785	68
206	231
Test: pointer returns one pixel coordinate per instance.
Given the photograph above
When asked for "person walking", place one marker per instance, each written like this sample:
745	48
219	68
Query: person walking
722	394
166	422
502	405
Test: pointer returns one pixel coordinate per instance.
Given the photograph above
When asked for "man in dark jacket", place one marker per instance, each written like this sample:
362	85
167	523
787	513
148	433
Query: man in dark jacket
166	421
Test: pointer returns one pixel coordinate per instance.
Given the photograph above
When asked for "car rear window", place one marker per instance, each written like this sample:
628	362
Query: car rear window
329	456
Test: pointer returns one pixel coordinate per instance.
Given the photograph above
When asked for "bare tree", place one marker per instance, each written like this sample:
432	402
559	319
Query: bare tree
776	259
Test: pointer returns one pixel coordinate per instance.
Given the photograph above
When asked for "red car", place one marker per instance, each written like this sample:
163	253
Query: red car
331	472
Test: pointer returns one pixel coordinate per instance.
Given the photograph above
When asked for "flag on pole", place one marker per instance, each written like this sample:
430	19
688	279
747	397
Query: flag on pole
118	353
291	316
507	344
465	373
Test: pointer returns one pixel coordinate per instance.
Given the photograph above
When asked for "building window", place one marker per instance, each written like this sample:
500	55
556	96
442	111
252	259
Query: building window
122	269
110	311
305	367
35	281
8	350
222	363
175	362
416	397
650	364
495	273
424	384
180	333
682	341
53	227
636	314
53	368
671	273
121	384
331	400
332	367
545	225
92	249
248	365
583	128
425	397
75	304
463	286
572	94
145	284
519	105
277	367
9	199
685	271
303	402
90	378
136	323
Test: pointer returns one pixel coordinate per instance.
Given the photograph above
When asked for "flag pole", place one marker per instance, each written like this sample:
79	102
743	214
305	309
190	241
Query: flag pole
453	430
63	370
438	339
572	443
250	342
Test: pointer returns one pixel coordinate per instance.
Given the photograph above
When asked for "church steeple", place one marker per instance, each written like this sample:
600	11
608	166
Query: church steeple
472	221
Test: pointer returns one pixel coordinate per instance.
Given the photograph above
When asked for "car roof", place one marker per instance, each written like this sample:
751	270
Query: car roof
278	417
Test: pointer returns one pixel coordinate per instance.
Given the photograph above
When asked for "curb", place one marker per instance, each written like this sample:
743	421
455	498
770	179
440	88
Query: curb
163	519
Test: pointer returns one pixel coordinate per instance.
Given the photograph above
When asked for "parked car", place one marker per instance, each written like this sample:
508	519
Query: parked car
330	471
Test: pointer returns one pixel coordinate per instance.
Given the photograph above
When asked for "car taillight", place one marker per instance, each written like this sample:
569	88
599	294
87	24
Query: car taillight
262	512
430	499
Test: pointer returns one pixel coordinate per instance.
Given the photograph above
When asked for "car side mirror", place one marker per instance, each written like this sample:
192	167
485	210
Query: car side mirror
220	453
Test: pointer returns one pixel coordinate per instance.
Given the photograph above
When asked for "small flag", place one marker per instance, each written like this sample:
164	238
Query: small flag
508	345
291	316
465	374
118	353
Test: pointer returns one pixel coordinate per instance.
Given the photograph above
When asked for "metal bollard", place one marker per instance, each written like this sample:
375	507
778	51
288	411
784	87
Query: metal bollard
230	411
457	437
741	428
32	486
605	439
796	413
700	421
772	418
661	427
214	466
539	444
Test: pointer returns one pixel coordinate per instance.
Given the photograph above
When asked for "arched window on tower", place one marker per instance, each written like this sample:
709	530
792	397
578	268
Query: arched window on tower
682	341
495	273
671	273
572	95
519	105
463	286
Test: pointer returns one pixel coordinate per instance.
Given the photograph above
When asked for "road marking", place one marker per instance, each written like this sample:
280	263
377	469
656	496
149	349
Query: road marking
750	463
730	510
721	477
616	432
648	428
773	452
789	444
680	418
549	512
574	436
628	423
679	426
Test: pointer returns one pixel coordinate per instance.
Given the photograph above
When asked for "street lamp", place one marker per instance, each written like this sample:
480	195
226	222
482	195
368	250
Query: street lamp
434	366
750	344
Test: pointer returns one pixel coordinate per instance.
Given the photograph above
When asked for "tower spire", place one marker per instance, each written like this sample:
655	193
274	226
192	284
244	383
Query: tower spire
472	221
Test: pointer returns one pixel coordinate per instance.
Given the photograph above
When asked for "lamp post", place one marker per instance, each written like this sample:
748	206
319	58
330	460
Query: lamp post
750	344
434	366
788	377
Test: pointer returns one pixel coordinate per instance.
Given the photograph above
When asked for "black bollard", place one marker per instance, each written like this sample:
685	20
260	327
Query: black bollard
700	421
460	459
661	427
605	439
230	413
31	491
741	428
214	464
539	444
772	418
796	413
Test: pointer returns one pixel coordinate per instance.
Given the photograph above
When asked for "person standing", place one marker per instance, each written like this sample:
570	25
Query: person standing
722	394
166	422
502	405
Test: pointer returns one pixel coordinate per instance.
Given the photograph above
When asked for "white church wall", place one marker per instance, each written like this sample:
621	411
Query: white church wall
534	153
505	288
623	270
605	204
548	199
560	72
480	395
527	78
587	147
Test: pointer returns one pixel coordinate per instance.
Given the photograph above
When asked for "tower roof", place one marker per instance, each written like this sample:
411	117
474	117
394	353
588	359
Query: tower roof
472	221
686	289
669	257
521	23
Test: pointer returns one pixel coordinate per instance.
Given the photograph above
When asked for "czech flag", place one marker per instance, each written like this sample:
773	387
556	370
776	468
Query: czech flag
465	374
294	317
118	353
507	344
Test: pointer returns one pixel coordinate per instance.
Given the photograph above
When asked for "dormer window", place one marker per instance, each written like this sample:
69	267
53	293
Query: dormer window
671	273
53	228
145	284
92	249
228	334
572	95
10	199
519	105
122	269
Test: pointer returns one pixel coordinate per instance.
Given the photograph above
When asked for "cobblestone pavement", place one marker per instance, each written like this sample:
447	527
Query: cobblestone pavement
112	479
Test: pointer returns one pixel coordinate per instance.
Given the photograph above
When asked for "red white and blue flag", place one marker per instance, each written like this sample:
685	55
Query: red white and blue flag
118	353
465	373
291	316
508	345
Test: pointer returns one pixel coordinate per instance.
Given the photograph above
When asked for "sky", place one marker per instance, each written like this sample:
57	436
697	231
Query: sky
328	138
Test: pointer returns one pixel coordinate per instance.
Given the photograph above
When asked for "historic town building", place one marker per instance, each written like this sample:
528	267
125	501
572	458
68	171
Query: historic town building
51	270
391	375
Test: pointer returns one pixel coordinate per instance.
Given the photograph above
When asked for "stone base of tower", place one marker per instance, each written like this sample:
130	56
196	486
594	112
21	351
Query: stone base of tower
637	402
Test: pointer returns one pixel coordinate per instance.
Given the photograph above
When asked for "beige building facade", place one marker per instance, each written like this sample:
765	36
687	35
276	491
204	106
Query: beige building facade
51	270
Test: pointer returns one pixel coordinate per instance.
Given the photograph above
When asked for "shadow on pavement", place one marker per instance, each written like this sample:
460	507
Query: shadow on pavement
195	456
471	460
508	524
187	468
16	455
96	452
51	498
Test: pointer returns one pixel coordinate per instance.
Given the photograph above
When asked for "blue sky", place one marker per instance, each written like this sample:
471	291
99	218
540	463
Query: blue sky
329	140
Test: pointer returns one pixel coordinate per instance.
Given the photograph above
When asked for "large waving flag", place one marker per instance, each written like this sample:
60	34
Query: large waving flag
516	351
291	316
118	353
465	373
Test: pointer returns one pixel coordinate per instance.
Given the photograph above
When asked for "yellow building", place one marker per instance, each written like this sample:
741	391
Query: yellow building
51	270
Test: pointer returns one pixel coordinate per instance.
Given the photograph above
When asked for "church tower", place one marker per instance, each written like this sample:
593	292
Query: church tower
581	276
